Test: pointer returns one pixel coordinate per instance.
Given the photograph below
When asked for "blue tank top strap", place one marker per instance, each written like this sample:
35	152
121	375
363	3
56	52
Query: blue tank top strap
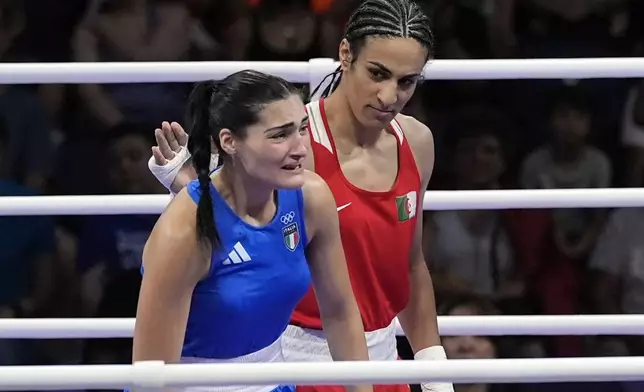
194	190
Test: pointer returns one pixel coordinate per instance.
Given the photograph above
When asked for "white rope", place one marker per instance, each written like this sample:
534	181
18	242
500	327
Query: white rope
584	325
306	72
433	200
83	205
155	374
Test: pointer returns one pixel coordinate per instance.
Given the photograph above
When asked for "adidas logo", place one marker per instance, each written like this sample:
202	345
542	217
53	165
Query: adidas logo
237	255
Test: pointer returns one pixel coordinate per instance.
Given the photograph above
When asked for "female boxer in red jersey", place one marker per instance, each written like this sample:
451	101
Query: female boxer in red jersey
377	163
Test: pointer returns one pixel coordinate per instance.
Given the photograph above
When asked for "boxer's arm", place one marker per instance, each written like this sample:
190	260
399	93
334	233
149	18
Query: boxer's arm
338	307
173	263
419	318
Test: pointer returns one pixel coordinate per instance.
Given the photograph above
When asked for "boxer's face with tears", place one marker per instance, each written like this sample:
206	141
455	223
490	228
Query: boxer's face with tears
273	149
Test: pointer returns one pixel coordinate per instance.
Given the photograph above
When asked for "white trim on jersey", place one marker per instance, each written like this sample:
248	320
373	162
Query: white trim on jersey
398	131
319	131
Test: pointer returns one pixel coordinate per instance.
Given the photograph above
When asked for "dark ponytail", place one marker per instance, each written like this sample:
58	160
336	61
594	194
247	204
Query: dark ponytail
233	104
200	131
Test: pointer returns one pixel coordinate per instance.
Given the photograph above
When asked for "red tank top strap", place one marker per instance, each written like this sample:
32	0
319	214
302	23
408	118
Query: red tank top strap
406	155
326	163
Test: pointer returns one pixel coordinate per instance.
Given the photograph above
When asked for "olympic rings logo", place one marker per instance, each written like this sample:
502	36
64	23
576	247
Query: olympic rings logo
287	218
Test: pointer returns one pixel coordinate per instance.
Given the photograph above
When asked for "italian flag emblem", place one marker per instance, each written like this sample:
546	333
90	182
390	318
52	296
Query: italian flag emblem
291	236
406	206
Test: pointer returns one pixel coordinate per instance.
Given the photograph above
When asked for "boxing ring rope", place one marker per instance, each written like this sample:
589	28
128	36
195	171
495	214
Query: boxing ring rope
433	200
314	70
156	374
582	325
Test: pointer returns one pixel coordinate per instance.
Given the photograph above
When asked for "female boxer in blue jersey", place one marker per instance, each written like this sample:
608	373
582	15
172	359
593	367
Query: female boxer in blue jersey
236	250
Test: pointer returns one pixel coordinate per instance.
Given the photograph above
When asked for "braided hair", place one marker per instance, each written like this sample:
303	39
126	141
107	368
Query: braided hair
382	18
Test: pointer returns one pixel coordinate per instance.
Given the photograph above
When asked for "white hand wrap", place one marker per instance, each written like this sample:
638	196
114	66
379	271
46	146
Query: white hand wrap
168	172
434	353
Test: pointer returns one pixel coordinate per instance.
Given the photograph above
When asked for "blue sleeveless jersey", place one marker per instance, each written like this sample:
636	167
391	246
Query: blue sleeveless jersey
257	277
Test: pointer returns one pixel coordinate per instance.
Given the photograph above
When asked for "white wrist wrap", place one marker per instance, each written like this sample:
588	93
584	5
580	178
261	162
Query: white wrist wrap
434	353
168	172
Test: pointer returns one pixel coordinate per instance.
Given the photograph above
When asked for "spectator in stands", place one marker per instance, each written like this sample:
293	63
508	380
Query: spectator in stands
113	244
553	28
137	30
471	347
463	347
617	285
229	22
464	27
120	298
28	155
568	161
632	133
500	255
26	262
285	30
297	30
471	251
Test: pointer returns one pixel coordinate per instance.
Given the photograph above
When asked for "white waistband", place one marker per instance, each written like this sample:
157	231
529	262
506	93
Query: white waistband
310	345
271	353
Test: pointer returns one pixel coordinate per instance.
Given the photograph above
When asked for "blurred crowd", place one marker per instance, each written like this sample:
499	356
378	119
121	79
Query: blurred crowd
503	134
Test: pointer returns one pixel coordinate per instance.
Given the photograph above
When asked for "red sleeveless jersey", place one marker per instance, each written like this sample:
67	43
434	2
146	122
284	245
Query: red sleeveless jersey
377	230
